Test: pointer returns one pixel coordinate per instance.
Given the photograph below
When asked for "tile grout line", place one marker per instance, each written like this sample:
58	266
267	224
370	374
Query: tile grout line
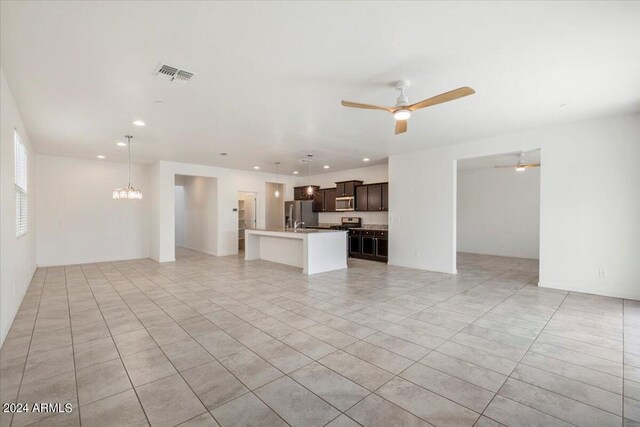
73	349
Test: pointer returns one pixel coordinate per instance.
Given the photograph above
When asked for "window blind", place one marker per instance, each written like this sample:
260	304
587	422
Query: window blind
20	184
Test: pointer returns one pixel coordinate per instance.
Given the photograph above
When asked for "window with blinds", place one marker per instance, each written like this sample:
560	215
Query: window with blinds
21	184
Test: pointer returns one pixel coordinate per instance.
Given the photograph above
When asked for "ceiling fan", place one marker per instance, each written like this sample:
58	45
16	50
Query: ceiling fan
521	165
402	111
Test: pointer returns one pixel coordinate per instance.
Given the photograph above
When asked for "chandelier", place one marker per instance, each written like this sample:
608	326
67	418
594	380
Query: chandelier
128	192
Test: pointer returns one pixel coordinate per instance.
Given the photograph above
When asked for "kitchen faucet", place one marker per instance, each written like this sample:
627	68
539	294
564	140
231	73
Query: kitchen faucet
296	224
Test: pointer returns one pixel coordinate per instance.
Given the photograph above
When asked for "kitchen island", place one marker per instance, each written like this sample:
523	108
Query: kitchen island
315	251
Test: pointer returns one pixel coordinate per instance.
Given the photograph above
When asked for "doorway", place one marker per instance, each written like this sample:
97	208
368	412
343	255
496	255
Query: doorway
196	214
247	208
498	212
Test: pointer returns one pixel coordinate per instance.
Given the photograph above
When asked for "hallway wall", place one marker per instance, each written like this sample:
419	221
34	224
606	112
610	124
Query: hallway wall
498	212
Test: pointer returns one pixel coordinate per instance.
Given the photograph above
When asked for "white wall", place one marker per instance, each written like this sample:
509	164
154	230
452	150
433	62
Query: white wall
498	212
17	255
589	204
77	219
230	182
371	174
274	208
197	214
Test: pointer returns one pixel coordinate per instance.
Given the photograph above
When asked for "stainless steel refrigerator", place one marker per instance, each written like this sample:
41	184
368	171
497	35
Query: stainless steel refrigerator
300	210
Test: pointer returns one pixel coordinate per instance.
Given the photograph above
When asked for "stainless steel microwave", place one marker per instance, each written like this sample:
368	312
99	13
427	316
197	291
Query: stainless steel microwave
344	204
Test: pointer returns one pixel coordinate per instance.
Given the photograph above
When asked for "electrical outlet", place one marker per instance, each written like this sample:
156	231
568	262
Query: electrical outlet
602	273
416	253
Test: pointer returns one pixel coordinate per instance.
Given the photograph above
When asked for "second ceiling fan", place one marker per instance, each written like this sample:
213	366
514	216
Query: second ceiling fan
402	111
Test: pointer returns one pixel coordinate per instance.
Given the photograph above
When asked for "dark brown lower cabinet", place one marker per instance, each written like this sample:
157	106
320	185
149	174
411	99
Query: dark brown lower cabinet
369	244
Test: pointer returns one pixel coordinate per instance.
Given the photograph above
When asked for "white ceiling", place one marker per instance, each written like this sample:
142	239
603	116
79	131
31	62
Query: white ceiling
489	162
270	76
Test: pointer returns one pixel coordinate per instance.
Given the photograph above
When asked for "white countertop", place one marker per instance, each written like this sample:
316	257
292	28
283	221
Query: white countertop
288	232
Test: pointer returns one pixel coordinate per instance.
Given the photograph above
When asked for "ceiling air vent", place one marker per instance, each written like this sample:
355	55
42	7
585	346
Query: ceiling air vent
173	74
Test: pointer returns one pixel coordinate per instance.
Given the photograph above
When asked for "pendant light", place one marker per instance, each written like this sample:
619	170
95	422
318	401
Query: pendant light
310	187
128	192
277	193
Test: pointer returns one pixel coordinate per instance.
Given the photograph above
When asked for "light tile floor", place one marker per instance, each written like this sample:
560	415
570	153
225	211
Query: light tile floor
211	341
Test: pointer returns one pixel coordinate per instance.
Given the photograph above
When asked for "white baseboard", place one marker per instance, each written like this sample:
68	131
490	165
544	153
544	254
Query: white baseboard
93	261
197	250
592	290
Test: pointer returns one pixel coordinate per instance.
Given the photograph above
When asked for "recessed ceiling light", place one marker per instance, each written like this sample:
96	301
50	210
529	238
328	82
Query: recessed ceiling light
122	144
256	167
224	154
159	102
296	172
326	166
366	159
100	156
138	123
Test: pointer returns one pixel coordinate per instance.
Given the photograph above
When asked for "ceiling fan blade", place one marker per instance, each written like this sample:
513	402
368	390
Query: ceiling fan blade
511	166
443	97
401	126
532	165
367	106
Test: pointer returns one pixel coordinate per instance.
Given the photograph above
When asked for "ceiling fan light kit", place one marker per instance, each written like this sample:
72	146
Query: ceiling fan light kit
521	166
402	111
402	114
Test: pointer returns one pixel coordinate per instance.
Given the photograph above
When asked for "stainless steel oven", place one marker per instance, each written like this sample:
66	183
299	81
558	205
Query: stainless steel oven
344	204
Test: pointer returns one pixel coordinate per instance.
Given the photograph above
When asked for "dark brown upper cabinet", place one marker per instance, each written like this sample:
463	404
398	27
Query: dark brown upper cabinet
324	200
318	201
330	200
300	193
385	196
362	203
346	188
372	197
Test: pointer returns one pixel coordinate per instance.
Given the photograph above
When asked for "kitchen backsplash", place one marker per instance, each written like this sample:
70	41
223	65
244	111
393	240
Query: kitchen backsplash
367	217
